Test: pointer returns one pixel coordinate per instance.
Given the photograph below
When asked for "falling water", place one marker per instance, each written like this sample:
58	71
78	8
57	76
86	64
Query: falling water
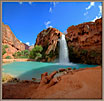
63	55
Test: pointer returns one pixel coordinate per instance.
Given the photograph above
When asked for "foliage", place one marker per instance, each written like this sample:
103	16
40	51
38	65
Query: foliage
8	57
22	54
18	53
93	53
84	52
79	55
38	48
5	46
38	55
35	53
3	49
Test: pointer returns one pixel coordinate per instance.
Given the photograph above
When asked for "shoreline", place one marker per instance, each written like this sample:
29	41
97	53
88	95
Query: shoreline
83	83
10	60
58	74
6	61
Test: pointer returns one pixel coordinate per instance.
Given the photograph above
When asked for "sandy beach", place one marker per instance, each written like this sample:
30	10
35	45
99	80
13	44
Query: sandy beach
12	60
6	61
85	83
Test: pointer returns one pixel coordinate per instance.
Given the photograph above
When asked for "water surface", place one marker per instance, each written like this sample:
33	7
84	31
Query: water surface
28	70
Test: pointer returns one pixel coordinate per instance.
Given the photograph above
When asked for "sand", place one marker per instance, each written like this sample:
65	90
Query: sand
82	84
13	60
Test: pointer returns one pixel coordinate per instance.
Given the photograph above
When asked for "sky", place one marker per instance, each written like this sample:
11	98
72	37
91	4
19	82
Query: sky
28	19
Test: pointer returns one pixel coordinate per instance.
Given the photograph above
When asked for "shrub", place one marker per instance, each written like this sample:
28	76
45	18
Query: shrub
5	46
35	53
38	55
93	53
38	48
22	54
8	57
18	53
25	52
84	52
14	54
3	49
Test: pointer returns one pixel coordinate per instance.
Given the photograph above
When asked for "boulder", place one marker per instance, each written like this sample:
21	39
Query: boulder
52	82
51	75
69	68
48	80
62	69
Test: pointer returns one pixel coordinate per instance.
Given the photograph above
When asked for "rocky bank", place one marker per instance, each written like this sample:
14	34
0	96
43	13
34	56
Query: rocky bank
81	84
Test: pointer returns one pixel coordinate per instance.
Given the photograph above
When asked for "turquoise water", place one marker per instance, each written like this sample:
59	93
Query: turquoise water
28	70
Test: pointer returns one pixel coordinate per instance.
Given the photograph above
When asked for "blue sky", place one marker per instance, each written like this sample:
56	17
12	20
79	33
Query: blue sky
27	19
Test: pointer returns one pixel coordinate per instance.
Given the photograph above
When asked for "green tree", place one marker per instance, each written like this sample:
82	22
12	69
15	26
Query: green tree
38	55
3	49
38	48
35	53
8	57
26	52
18	53
22	54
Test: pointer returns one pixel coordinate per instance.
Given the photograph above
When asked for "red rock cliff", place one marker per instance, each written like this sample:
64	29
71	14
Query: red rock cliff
86	35
8	38
48	39
88	38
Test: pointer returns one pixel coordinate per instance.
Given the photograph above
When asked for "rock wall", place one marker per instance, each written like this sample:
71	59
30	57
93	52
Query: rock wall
85	41
48	39
8	38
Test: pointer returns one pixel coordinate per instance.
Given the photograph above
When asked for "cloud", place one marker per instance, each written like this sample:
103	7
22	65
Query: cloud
100	10
27	43
30	3
20	3
91	4
99	14
96	18
50	26
50	9
54	4
47	24
85	13
21	41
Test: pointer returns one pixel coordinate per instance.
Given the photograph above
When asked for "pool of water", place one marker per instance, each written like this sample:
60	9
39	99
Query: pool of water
29	70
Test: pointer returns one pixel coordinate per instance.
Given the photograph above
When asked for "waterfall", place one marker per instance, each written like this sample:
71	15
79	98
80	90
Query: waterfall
63	54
